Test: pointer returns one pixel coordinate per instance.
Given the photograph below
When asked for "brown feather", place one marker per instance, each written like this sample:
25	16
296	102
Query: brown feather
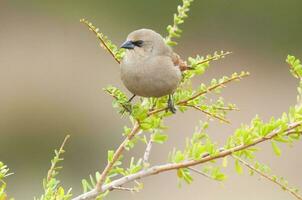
183	66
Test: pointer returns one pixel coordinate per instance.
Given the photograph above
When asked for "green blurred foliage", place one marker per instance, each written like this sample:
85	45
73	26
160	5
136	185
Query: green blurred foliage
271	24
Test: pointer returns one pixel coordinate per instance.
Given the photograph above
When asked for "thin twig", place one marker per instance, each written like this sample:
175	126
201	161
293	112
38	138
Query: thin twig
185	164
215	57
53	164
147	152
116	98
268	177
124	189
200	173
210	114
211	88
116	156
100	37
227	108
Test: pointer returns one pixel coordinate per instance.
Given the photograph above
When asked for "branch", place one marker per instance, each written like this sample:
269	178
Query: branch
183	102
174	30
227	109
57	156
147	152
211	88
126	107
215	57
135	129
125	189
116	156
200	172
268	177
210	114
100	37
185	164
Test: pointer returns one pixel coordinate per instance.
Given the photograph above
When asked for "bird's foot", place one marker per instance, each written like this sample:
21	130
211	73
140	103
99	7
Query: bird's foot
171	106
131	98
126	108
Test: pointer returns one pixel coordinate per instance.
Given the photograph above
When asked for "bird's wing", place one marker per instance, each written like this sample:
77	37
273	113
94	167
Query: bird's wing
178	62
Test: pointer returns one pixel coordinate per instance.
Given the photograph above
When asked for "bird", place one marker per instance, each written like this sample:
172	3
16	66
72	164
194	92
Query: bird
150	68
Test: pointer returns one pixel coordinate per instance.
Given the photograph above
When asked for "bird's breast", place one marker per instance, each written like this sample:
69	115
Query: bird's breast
154	77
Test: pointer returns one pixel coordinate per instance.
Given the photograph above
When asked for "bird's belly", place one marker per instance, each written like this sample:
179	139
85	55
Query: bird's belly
154	83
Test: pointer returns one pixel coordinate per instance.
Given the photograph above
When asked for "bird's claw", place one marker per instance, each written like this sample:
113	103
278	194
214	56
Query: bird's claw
171	106
126	108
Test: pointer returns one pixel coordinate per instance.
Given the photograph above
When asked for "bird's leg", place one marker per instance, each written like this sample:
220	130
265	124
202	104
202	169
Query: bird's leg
171	106
131	98
128	106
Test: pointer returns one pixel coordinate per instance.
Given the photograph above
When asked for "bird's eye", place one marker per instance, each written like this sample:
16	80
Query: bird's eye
138	43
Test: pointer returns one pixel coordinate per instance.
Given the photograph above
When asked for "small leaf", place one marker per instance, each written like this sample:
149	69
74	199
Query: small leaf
110	155
238	167
225	161
159	138
276	148
179	156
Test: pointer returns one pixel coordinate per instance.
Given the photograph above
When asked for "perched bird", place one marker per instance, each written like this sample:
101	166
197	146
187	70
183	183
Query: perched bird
150	68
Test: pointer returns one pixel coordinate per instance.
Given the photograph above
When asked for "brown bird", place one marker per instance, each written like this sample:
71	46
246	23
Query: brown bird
150	68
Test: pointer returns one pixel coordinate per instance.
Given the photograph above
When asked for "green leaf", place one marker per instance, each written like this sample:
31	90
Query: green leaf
225	161
134	167
185	175
159	138
110	155
179	156
238	167
218	175
178	18
276	148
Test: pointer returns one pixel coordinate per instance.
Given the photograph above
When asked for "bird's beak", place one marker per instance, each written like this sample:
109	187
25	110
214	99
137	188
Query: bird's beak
128	45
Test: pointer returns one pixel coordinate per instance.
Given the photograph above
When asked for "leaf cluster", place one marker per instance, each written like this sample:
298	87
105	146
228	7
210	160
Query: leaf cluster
4	172
51	185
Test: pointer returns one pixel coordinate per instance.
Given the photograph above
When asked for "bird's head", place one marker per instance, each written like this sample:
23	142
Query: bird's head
145	41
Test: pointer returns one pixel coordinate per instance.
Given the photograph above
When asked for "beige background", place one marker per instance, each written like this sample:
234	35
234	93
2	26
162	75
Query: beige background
52	72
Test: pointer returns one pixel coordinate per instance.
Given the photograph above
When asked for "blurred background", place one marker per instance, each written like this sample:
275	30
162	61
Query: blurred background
52	72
